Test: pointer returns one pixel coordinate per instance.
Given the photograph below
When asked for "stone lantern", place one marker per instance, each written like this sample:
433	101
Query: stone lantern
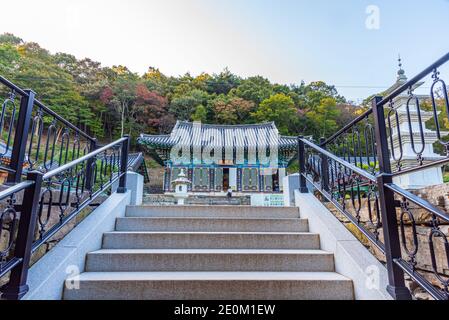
181	185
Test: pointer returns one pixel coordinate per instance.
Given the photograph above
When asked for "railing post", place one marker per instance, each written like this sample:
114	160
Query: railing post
123	166
302	166
89	166
17	286
396	286
21	137
324	168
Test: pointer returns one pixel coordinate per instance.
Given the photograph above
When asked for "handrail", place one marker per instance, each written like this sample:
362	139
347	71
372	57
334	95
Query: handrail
78	182
433	164
339	160
418	201
346	127
12	86
88	156
77	190
385	207
389	97
379	245
15	188
415	79
58	117
103	183
14	257
22	92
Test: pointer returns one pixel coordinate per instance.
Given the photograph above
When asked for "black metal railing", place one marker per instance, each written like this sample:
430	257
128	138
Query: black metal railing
49	202
337	179
9	225
354	171
65	172
34	137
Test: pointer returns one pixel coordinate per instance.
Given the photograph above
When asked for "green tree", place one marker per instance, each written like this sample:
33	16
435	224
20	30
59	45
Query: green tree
318	90
222	83
90	79
184	103
155	80
254	89
324	117
278	108
37	69
200	114
200	82
9	38
9	60
123	100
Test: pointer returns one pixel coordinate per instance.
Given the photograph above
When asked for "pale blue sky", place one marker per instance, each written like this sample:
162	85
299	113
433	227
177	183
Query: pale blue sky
284	40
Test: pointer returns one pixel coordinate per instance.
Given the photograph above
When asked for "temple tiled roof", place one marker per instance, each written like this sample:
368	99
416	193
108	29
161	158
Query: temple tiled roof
242	135
218	136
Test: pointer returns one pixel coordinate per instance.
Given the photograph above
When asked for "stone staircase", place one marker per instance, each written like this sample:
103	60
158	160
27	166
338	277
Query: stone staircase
204	253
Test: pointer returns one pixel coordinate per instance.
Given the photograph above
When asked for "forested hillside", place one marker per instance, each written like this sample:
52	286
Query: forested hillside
108	102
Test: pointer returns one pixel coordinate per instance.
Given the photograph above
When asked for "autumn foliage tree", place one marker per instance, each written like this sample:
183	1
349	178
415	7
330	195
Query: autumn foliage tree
232	110
108	102
151	109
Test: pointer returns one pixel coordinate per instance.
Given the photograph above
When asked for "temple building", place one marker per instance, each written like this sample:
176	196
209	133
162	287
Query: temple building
245	158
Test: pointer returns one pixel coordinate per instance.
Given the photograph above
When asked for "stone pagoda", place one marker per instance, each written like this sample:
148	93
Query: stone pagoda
411	158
